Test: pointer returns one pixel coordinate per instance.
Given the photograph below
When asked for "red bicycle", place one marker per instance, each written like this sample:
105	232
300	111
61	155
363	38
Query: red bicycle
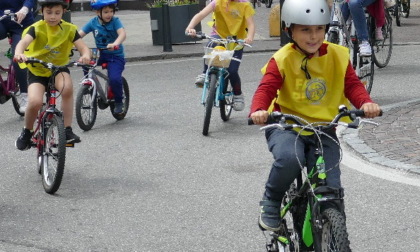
9	87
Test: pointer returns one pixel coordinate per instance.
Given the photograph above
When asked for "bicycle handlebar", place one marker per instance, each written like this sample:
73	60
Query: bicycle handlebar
278	119
53	67
12	15
202	35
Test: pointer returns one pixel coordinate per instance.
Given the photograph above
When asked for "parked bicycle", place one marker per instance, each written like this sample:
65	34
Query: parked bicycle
216	90
401	9
343	33
49	136
93	94
9	87
312	213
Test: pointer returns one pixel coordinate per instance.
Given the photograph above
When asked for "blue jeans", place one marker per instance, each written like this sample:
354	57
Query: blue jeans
115	68
233	69
357	11
286	169
15	30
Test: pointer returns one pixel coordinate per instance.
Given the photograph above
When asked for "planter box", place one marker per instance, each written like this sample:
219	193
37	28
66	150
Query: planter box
179	18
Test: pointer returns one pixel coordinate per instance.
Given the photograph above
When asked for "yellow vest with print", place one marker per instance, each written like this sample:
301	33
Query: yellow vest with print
316	99
230	18
52	44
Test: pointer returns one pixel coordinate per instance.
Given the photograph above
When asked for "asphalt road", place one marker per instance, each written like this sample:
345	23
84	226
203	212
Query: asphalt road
152	182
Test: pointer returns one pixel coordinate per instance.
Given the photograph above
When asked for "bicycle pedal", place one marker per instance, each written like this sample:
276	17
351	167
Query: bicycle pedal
71	145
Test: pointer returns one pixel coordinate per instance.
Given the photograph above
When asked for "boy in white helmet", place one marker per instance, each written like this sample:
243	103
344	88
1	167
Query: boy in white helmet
288	76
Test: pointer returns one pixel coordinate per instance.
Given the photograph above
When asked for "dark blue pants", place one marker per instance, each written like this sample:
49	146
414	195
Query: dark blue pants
115	68
286	169
16	31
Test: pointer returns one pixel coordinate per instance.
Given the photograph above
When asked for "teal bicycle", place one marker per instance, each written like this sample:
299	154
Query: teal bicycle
216	90
312	213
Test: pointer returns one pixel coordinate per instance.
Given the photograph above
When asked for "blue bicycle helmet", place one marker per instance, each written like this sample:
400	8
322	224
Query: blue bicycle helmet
99	4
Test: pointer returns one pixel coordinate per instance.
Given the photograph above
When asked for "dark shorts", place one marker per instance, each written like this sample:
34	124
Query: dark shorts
43	80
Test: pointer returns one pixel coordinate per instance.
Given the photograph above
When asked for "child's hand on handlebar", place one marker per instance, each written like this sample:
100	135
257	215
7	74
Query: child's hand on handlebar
112	47
371	109
191	32
84	59
20	58
259	117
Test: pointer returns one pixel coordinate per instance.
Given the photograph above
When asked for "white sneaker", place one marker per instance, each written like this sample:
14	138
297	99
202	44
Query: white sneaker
23	102
238	102
199	80
365	49
389	3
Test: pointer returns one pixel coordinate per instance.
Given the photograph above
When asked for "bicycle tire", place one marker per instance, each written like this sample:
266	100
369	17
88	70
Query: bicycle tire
268	3
397	13
126	102
16	90
53	153
366	68
211	94
334	236
226	105
382	50
86	108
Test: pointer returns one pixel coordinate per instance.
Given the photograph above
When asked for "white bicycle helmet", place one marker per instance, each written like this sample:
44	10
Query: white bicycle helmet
305	12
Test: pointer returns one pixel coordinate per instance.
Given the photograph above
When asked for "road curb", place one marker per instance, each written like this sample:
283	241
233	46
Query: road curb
355	143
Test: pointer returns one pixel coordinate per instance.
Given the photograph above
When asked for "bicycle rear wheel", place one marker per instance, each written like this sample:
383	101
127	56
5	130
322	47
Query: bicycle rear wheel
211	94
226	104
86	108
268	3
334	236
126	102
382	50
53	153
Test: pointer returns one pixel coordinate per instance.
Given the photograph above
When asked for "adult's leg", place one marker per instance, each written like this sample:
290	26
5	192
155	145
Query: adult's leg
357	11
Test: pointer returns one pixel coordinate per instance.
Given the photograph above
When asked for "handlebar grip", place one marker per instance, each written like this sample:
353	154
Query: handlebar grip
250	122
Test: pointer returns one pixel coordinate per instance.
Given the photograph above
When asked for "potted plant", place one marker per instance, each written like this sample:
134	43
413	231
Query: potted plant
180	15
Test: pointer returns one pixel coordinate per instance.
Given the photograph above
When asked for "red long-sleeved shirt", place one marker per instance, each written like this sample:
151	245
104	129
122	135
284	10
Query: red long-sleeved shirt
354	89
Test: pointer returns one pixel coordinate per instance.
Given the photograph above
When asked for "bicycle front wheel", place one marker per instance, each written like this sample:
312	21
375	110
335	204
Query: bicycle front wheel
226	104
126	102
382	50
54	153
334	236
86	108
211	94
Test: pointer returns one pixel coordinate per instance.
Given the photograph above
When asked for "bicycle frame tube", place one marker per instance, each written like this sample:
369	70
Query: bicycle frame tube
220	84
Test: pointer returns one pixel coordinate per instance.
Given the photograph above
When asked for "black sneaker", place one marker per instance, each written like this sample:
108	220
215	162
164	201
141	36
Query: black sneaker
270	215
71	137
24	140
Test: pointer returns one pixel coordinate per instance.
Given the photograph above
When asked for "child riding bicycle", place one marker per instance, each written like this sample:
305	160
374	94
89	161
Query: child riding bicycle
51	40
24	18
109	33
309	78
232	18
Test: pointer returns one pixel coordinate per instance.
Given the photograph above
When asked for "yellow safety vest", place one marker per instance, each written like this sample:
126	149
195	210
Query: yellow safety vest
52	44
316	99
